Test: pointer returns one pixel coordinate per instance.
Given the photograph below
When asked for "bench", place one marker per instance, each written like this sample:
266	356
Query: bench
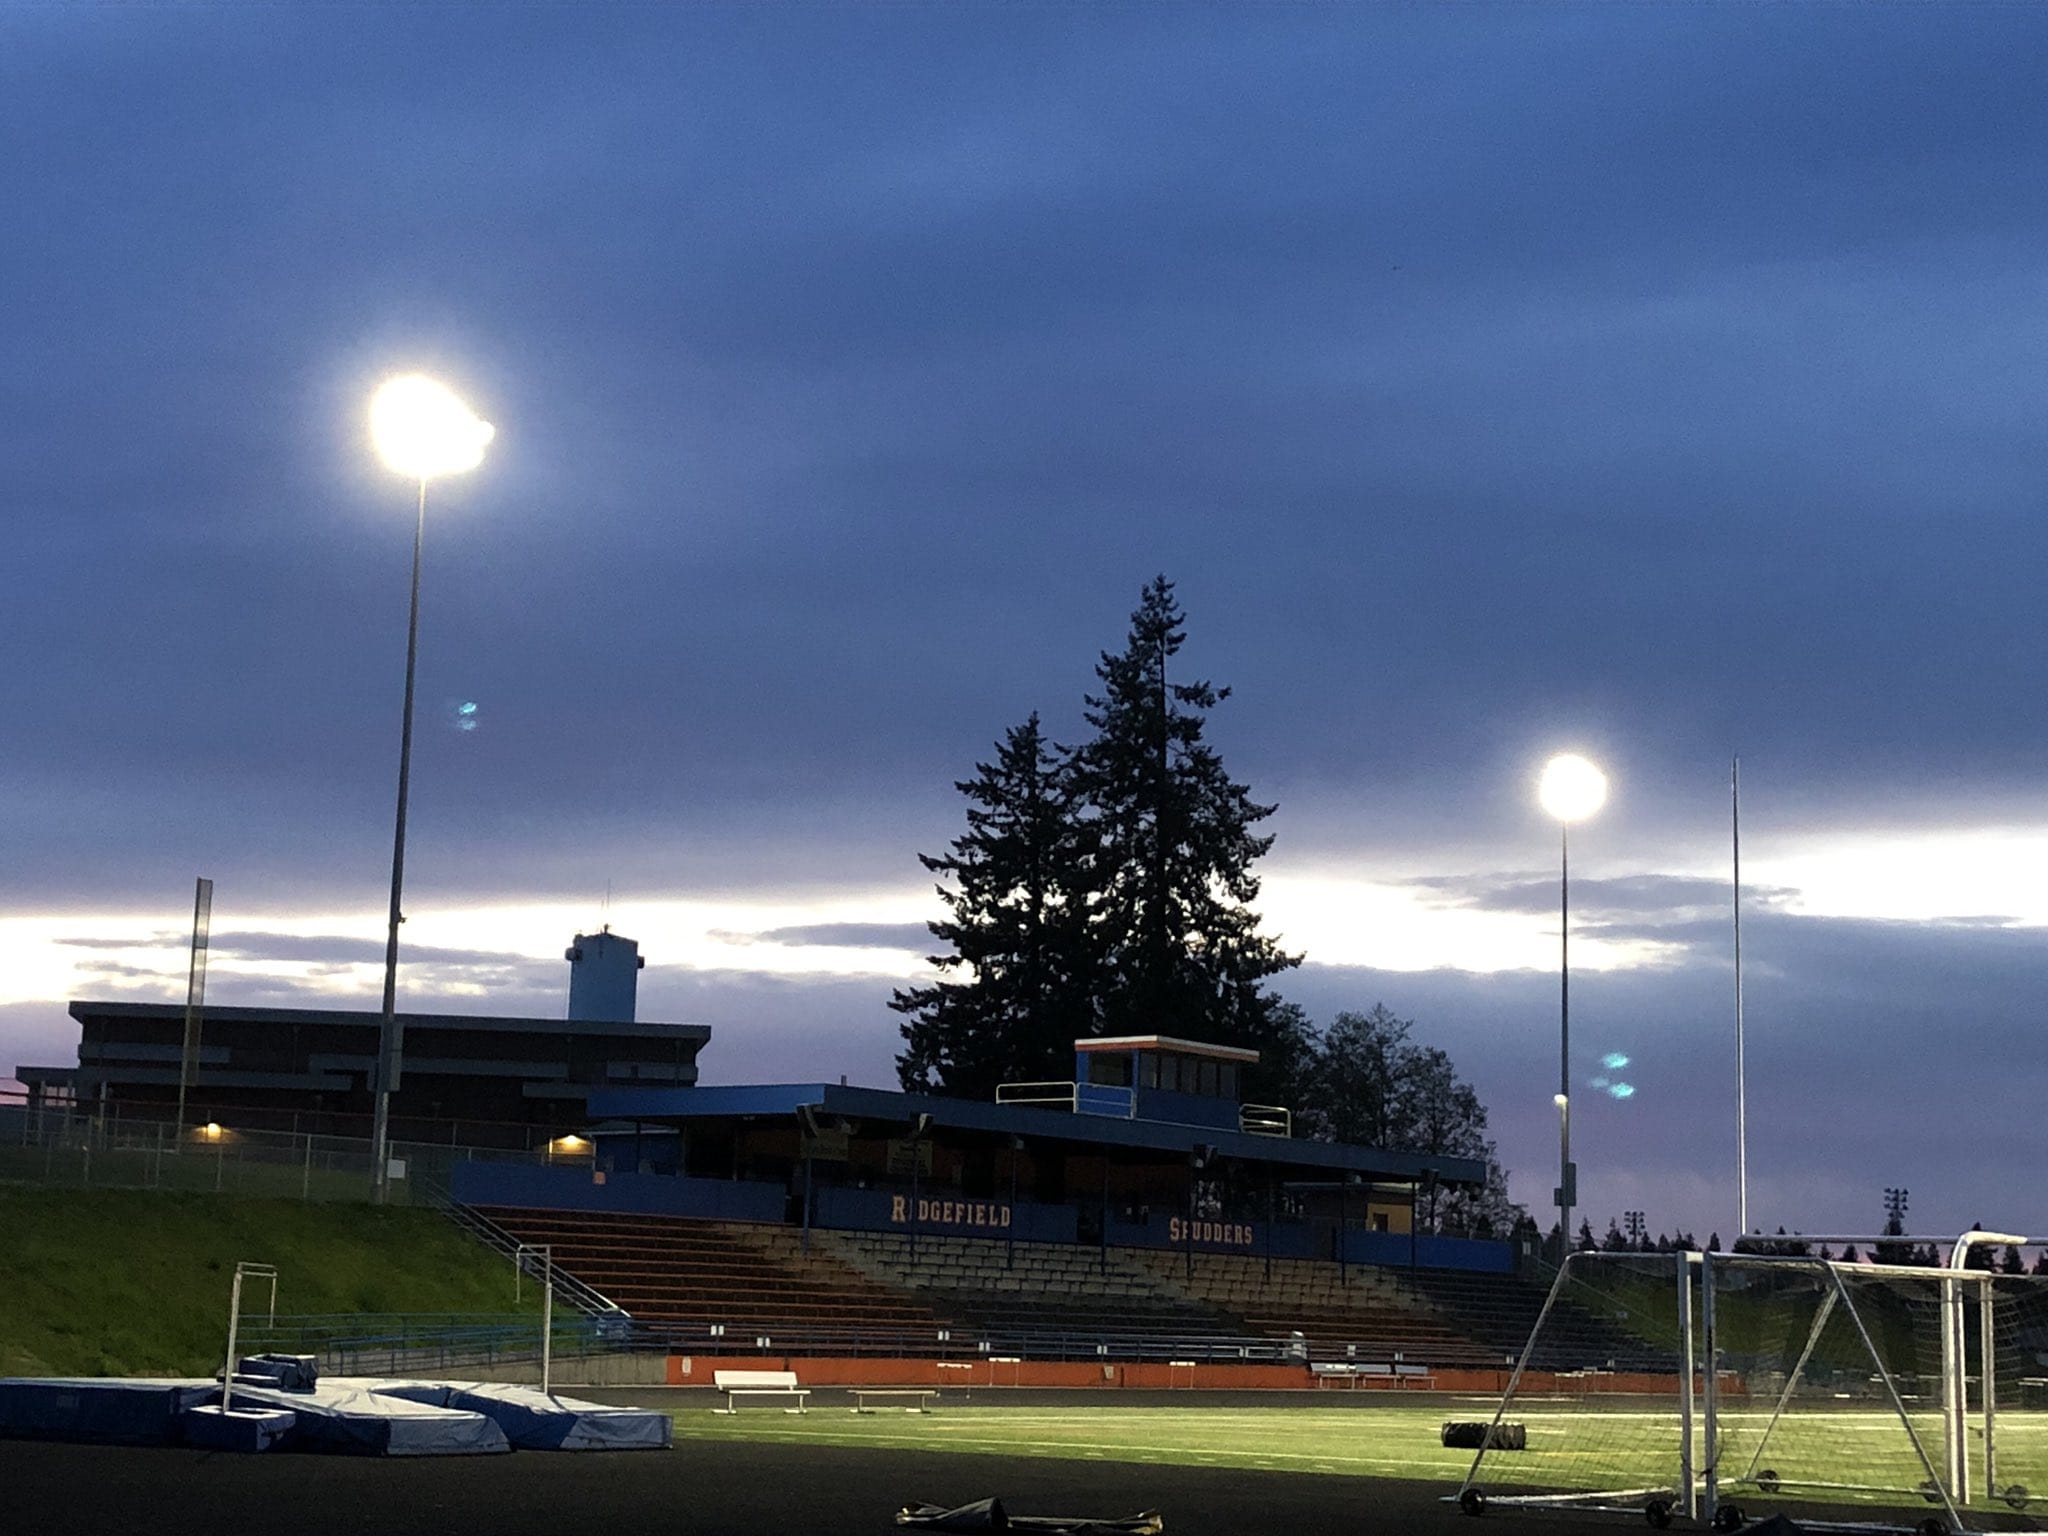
924	1395
738	1384
1329	1373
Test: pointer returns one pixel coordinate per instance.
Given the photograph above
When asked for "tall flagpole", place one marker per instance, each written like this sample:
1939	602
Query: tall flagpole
1741	1066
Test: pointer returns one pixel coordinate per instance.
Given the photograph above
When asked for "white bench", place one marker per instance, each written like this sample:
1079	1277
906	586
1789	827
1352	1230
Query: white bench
738	1384
1332	1373
924	1395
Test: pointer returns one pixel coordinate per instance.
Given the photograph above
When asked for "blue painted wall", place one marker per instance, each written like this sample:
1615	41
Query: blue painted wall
643	1194
878	1210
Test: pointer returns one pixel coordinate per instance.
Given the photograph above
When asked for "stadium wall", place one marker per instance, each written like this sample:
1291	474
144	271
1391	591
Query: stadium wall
581	1188
1158	1375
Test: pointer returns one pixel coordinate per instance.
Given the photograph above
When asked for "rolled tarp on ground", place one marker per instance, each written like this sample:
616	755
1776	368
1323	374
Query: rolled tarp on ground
536	1421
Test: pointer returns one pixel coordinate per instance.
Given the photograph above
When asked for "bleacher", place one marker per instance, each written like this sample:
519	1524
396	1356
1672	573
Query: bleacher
1046	1299
1045	1294
1501	1310
1361	1312
749	1278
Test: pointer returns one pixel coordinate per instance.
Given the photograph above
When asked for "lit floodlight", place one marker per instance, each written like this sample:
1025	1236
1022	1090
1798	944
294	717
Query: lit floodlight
1559	1100
422	429
1572	788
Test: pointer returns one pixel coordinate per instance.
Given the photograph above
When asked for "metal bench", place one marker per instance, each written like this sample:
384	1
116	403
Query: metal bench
738	1384
924	1395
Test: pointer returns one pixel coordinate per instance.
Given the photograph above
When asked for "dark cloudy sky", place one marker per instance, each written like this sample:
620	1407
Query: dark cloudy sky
1660	382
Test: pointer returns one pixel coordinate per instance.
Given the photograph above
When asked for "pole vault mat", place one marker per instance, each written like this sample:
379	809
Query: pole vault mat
536	1421
344	1415
99	1410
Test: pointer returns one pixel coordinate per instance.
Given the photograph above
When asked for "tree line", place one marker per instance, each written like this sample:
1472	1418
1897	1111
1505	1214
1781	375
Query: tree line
1106	888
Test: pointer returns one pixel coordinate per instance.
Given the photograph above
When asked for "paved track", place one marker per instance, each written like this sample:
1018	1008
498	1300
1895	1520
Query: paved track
700	1488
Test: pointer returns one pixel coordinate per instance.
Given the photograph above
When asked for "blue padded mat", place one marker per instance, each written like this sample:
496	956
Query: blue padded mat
141	1411
537	1421
242	1429
342	1414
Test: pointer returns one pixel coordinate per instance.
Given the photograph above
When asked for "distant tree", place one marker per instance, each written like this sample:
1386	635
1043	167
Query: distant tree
2040	1263
1616	1241
1851	1256
1370	1084
1586	1243
1713	1242
1894	1226
1173	842
1358	1090
1016	989
2012	1263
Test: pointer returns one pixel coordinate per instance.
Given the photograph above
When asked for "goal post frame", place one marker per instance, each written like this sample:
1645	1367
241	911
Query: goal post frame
1700	1489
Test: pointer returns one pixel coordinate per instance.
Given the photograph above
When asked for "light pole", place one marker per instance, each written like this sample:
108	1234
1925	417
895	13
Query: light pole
1571	789
421	430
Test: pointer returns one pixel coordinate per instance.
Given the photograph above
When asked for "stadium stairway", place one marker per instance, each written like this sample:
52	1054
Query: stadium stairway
689	1274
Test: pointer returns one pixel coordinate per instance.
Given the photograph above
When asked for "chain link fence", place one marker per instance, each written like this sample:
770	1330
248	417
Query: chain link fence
71	1149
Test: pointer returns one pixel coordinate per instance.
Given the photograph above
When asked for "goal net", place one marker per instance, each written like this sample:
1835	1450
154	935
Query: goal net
1717	1387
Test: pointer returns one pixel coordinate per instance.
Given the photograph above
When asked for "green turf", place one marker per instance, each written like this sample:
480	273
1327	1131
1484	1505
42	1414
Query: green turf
1388	1442
1573	1446
100	1282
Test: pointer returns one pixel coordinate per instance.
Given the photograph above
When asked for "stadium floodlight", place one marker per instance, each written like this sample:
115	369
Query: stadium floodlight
1571	789
423	430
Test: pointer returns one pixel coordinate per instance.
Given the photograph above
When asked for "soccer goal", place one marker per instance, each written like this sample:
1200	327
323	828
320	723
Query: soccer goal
1716	1387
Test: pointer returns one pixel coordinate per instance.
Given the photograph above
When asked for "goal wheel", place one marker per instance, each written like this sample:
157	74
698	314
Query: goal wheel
1728	1517
2016	1495
1767	1481
1658	1513
1933	1525
1930	1490
1472	1501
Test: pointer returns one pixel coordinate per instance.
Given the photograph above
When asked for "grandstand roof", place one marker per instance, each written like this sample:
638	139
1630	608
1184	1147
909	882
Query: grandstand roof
775	1100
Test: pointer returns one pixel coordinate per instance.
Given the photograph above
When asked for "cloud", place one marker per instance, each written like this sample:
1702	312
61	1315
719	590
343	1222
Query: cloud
913	936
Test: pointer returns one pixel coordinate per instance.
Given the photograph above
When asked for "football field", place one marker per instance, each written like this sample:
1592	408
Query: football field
1846	1455
1397	1440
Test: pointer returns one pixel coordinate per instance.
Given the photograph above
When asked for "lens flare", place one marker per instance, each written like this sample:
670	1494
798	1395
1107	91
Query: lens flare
1622	1091
1614	1061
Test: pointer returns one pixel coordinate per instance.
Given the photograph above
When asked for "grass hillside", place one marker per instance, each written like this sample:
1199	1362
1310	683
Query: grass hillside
115	1282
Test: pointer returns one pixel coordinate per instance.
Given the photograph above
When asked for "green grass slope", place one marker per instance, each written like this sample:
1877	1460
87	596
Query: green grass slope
108	1282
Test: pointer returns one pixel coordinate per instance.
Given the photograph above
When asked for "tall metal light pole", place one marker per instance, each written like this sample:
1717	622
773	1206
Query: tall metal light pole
1571	789
1741	1063
421	430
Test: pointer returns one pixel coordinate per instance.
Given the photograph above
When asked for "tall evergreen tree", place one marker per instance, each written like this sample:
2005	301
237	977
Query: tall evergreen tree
1015	991
1173	844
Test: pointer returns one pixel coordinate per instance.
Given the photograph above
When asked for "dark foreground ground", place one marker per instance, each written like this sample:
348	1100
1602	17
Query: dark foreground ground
696	1488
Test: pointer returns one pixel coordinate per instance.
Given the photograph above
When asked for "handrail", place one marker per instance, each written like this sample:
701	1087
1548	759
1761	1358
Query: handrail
583	1297
1265	1119
1027	1093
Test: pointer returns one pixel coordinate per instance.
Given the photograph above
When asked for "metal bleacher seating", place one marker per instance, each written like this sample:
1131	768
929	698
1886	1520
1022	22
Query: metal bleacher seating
690	1275
1039	1296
